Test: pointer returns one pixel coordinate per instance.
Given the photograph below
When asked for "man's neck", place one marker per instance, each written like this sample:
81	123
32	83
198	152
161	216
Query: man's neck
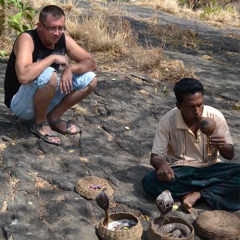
193	125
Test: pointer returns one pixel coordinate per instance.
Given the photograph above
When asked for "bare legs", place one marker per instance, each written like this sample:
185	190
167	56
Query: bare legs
189	200
68	101
43	98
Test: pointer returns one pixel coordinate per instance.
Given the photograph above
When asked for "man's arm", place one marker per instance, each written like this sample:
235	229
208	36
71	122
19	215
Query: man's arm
83	60
26	69
164	171
226	150
83	63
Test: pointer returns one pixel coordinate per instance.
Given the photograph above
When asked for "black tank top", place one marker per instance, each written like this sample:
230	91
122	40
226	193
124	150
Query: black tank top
11	84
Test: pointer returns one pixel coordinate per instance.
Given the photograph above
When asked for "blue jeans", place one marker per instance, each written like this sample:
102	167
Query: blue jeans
22	102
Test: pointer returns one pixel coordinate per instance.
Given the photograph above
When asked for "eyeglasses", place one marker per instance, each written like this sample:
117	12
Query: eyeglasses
54	29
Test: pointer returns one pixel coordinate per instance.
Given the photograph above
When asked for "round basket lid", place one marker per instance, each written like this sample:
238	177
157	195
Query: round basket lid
90	186
218	224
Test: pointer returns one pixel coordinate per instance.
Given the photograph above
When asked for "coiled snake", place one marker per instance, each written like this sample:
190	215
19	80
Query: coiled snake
164	204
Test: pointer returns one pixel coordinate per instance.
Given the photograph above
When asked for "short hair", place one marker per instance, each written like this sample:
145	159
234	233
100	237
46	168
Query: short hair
187	86
54	10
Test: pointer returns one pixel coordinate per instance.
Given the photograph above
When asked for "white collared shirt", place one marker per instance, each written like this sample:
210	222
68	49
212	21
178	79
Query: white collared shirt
180	147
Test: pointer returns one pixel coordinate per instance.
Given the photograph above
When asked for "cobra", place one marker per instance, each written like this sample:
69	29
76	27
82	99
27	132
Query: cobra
164	204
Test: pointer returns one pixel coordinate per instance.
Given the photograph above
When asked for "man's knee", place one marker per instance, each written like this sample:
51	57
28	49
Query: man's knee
47	77
53	80
86	81
92	85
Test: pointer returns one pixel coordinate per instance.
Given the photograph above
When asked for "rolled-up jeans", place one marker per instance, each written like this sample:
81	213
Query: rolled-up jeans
22	103
219	184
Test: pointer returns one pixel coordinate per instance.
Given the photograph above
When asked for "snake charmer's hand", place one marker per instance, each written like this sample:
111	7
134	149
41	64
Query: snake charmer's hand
164	172
226	150
216	141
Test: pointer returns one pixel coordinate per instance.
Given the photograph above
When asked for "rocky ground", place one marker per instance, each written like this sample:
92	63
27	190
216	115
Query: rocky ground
38	197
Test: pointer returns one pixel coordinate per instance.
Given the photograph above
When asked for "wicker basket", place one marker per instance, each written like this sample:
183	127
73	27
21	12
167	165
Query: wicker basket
218	225
153	235
83	187
133	233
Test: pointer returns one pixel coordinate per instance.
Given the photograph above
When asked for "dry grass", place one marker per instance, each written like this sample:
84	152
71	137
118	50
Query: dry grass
154	64
102	32
172	71
12	182
170	6
212	15
110	38
170	33
2	147
114	43
221	18
146	59
40	182
82	111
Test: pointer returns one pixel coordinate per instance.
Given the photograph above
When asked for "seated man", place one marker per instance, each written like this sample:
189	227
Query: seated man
33	89
179	154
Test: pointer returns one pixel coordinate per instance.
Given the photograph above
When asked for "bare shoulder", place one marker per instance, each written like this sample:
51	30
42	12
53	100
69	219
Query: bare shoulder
71	44
24	41
68	37
24	37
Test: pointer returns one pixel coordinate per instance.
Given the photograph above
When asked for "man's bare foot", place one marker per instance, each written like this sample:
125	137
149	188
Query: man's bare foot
190	199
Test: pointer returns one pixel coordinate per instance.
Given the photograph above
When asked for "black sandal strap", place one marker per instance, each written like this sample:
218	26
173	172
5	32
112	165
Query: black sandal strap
42	124
55	123
68	124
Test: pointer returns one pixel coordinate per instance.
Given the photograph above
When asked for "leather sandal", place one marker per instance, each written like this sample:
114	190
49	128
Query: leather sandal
54	127
45	137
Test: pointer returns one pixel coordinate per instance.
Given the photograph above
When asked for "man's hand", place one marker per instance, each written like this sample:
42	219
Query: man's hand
217	141
226	150
66	78
66	81
61	60
164	172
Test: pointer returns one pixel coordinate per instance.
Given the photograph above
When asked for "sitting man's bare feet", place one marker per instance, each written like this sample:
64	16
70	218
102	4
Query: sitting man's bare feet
190	199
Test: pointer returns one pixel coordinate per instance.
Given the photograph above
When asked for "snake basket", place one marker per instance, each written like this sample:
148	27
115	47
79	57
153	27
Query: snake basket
218	225
153	233
89	187
133	233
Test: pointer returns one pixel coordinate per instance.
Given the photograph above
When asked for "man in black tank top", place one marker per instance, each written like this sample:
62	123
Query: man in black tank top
33	89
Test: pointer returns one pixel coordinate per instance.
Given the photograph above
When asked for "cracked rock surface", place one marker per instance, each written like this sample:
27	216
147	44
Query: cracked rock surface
38	198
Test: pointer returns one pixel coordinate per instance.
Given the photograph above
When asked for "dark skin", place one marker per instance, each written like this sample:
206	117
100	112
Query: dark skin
192	109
